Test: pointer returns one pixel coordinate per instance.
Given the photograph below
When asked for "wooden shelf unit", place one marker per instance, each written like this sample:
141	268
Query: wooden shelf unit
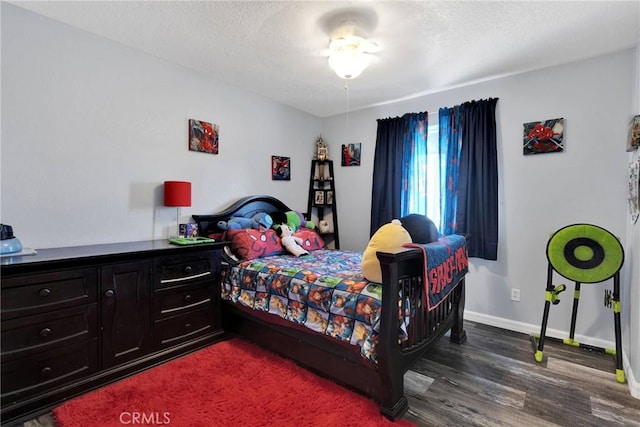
322	201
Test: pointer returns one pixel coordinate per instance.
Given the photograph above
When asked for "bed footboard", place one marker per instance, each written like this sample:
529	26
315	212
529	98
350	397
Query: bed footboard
403	292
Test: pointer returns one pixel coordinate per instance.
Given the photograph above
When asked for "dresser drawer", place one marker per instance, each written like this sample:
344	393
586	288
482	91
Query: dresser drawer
40	333
36	293
43	371
179	329
176	270
173	301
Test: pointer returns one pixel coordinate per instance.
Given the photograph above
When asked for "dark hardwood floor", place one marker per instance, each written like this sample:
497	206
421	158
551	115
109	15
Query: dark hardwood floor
493	380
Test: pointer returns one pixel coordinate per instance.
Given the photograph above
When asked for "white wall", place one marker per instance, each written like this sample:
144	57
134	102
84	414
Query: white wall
537	194
91	129
631	277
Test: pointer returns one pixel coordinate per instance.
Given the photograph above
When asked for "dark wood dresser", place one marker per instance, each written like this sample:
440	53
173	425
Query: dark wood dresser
74	319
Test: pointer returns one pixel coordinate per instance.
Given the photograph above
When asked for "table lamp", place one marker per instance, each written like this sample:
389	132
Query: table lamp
178	194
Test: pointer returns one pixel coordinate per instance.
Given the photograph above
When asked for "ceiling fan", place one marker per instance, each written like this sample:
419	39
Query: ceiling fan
350	52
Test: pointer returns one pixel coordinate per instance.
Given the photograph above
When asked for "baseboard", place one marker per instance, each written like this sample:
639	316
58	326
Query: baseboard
634	385
529	328
526	328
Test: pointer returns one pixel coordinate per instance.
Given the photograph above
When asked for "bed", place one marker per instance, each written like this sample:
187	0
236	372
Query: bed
381	341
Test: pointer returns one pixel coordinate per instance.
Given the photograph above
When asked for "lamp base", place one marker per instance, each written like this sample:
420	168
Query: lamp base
176	231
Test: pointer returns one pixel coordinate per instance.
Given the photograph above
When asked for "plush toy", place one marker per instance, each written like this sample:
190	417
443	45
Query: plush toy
256	222
293	219
324	227
420	228
389	238
290	242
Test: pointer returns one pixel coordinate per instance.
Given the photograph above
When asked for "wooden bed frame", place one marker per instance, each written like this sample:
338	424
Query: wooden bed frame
402	275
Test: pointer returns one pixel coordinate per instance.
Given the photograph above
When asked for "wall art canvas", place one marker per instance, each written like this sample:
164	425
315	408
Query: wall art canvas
280	168
203	136
543	137
634	134
351	154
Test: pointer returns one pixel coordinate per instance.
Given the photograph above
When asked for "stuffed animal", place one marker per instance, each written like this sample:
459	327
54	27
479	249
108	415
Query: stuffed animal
290	242
256	222
324	227
293	219
389	238
420	228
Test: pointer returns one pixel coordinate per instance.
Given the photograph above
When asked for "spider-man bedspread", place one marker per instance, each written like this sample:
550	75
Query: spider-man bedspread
326	292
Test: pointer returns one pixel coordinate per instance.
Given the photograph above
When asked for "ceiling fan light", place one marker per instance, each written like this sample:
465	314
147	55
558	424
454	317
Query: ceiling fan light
348	59
349	66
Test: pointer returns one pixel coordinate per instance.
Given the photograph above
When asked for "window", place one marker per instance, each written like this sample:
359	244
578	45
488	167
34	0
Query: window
424	183
410	175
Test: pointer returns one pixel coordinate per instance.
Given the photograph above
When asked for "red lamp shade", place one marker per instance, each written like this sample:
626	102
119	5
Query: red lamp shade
177	193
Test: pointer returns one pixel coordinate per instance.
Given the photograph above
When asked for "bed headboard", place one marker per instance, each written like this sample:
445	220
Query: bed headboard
245	207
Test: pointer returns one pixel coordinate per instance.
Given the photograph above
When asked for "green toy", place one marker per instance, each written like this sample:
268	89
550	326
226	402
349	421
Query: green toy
295	220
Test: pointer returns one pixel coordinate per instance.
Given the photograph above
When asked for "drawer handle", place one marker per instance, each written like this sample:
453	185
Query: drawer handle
45	372
45	332
187	326
188	269
44	292
187	298
109	293
184	279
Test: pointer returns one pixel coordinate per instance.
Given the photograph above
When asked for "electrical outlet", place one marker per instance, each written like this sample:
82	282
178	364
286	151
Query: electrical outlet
515	294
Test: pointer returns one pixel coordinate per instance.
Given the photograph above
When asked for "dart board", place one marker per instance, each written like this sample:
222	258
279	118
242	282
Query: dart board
585	253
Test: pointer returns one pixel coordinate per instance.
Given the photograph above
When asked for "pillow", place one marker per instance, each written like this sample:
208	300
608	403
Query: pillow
389	238
217	236
420	228
248	243
310	239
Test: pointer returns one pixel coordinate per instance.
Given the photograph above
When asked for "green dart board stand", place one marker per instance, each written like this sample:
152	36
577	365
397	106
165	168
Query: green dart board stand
584	253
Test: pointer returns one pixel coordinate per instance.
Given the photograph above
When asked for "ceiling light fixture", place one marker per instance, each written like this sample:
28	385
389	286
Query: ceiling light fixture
350	55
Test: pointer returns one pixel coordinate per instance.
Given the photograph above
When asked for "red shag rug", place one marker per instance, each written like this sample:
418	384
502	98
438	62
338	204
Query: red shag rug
232	383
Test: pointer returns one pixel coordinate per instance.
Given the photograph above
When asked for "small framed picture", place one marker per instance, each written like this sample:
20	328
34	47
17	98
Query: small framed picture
329	198
319	198
203	136
545	136
280	168
351	154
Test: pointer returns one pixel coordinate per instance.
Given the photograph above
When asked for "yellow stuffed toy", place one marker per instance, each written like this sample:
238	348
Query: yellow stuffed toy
389	238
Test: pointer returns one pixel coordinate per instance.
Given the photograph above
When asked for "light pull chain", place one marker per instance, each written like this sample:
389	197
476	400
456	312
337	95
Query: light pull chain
346	88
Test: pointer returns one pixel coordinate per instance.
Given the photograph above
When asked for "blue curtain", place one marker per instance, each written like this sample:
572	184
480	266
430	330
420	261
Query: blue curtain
396	140
477	199
450	146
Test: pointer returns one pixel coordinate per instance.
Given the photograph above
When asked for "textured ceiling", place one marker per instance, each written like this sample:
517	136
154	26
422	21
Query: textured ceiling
277	49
